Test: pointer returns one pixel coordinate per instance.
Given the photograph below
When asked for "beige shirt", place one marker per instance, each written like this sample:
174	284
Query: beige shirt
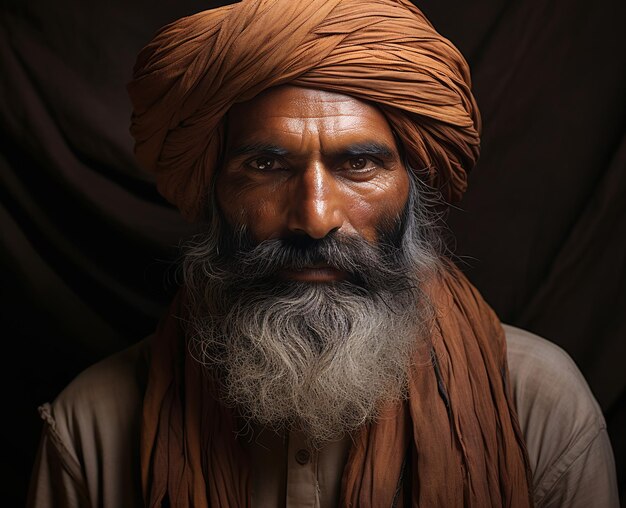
88	455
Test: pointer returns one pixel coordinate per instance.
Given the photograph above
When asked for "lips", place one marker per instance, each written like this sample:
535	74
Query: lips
317	273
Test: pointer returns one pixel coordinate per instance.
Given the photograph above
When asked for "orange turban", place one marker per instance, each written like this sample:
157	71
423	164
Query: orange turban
382	51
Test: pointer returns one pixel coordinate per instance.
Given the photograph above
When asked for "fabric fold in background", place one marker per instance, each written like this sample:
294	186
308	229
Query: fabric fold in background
384	52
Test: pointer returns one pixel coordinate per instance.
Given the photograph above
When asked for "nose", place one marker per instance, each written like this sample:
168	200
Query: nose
315	205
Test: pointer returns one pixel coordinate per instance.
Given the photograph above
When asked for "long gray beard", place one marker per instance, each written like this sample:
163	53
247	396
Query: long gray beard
322	358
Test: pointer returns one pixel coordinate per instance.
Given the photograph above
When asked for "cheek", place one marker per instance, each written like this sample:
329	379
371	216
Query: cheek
263	218
244	204
379	203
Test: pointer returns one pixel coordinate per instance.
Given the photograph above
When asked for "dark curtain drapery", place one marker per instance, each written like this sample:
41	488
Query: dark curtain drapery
88	248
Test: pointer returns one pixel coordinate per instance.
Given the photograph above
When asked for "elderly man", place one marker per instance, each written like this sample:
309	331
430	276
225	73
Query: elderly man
322	351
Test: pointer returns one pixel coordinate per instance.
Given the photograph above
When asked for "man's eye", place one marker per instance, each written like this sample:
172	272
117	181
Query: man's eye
362	164
263	164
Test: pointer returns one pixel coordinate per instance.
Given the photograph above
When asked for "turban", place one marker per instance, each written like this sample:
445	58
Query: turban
381	51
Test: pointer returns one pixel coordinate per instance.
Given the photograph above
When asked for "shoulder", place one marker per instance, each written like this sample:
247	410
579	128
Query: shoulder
543	374
109	391
92	429
562	423
89	451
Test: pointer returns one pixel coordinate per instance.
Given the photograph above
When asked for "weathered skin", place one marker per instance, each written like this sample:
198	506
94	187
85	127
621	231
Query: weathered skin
308	162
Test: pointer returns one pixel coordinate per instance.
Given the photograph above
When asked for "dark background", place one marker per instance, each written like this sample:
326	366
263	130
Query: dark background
87	247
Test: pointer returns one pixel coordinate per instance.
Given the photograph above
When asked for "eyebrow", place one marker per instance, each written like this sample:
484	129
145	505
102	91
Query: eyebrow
373	148
252	148
368	148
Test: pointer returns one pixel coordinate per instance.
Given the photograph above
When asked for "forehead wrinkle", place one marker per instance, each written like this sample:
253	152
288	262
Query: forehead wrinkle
299	116
317	123
311	139
315	142
291	143
300	130
326	126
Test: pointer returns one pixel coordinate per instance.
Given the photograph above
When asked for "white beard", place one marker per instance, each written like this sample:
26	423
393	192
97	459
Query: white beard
316	357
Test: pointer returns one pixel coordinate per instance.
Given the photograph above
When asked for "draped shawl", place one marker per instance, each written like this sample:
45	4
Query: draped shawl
455	442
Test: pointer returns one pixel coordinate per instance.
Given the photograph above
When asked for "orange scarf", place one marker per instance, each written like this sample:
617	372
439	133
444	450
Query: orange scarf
454	443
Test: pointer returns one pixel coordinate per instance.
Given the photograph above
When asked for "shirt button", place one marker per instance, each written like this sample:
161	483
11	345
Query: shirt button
303	456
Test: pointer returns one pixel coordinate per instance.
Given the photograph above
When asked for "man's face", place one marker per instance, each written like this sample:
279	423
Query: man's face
307	288
307	163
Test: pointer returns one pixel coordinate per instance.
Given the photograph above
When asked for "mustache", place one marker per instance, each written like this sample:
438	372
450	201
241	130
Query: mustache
380	266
